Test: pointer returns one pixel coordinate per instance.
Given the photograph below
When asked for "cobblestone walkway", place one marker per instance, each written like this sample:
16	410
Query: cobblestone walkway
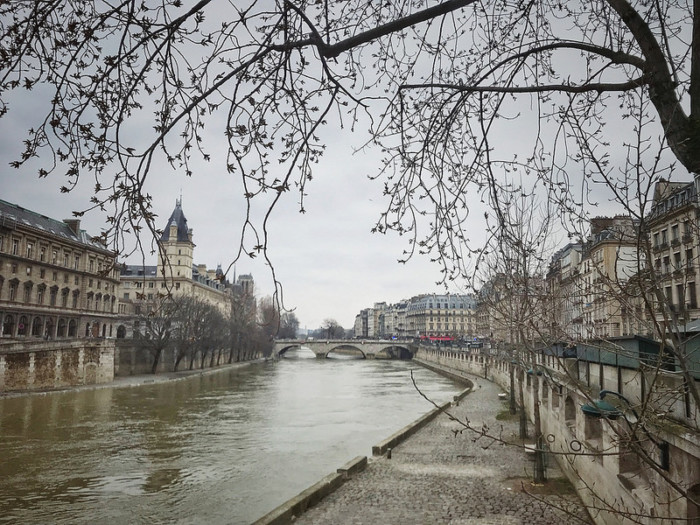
437	476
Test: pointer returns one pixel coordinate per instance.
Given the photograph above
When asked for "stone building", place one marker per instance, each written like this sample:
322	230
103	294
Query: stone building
174	274
56	281
674	239
448	316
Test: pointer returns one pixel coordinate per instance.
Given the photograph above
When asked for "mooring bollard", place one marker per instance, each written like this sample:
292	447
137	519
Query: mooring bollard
388	453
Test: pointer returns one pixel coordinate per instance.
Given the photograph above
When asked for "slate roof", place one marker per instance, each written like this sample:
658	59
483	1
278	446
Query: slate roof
137	270
12	216
177	217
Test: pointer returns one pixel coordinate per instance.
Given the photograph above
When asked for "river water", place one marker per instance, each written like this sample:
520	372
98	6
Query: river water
226	447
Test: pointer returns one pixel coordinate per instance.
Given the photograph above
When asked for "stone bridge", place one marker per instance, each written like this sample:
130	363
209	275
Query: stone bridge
369	348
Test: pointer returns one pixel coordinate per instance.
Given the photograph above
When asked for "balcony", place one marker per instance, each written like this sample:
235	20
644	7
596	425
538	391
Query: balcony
687	238
675	241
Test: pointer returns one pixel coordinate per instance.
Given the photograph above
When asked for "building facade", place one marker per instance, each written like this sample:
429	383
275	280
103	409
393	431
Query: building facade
56	281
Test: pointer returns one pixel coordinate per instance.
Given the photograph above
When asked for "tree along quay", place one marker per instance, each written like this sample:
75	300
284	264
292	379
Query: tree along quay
222	447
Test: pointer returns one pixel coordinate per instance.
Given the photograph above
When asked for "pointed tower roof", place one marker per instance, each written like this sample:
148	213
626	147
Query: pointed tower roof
177	217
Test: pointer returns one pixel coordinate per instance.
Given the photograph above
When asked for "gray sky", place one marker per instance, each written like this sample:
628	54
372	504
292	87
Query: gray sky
329	263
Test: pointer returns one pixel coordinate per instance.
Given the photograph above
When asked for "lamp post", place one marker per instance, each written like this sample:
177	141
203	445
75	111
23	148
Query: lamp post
603	410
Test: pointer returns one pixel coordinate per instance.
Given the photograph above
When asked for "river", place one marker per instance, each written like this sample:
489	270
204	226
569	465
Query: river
225	447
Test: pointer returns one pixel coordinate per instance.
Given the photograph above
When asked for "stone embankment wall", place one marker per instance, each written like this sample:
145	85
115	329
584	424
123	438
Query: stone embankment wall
45	365
133	359
612	480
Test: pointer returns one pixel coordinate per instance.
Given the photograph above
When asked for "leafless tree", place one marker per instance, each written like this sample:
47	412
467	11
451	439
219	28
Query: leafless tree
593	100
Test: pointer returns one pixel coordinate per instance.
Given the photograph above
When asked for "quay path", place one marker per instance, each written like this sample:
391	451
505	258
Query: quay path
438	476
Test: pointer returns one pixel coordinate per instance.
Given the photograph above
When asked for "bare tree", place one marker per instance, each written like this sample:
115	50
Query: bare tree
607	94
157	316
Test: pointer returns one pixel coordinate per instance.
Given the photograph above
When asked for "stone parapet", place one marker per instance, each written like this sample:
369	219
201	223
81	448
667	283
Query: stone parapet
47	365
613	482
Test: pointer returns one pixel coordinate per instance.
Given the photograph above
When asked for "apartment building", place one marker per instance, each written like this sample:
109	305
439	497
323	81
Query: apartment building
674	239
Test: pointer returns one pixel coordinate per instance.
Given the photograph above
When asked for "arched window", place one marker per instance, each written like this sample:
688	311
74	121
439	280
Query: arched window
61	332
87	330
14	284
22	326
76	294
36	327
40	292
570	413
53	294
72	328
64	297
8	325
121	331
555	396
28	291
48	332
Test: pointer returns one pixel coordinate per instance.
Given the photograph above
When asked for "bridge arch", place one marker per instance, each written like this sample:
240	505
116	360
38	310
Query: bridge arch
348	348
370	348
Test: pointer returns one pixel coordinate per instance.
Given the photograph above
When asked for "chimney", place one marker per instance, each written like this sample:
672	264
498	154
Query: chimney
73	224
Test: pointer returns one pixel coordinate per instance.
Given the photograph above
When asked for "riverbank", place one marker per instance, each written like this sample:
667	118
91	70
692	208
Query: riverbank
134	381
444	473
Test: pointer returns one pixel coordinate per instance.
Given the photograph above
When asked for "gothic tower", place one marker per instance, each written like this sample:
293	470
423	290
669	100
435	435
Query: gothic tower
177	246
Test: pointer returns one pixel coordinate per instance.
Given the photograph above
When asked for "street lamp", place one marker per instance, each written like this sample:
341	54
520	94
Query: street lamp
601	409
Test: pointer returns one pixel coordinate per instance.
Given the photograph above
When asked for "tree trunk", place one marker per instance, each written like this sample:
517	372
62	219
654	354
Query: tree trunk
523	414
156	360
539	474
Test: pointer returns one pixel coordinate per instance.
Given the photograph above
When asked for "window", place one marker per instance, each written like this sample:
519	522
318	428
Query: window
27	292
54	276
42	253
52	296
692	292
65	278
656	239
65	260
664	236
126	295
30	250
677	261
14	267
689	257
15	246
76	280
674	233
42	273
54	256
40	294
77	262
13	291
89	283
29	270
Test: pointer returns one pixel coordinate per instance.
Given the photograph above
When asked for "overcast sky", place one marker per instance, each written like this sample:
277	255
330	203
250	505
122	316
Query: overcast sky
330	264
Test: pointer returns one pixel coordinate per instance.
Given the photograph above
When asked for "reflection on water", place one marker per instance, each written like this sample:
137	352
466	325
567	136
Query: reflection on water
219	448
